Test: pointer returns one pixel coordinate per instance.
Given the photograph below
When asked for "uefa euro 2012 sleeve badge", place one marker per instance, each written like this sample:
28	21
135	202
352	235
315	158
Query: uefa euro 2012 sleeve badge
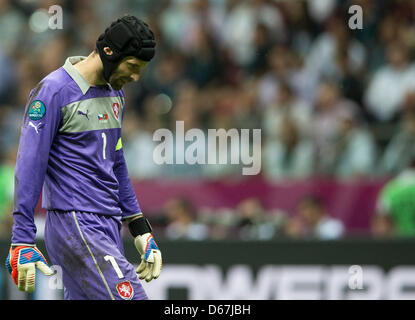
37	110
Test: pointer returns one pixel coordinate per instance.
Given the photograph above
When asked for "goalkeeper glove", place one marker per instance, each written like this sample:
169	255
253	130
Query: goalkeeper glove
151	261
21	264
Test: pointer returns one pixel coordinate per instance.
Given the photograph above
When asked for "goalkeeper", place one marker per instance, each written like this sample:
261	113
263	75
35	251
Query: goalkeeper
71	145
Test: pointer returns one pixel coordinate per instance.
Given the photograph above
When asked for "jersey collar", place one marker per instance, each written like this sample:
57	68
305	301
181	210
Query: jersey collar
75	75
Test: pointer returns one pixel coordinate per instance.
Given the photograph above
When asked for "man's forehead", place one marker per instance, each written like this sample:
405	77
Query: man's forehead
135	61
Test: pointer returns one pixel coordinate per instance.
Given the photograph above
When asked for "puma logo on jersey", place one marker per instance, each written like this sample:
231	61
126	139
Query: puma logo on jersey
36	127
83	113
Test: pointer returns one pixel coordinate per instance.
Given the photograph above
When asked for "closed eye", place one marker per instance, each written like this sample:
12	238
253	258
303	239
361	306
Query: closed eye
134	67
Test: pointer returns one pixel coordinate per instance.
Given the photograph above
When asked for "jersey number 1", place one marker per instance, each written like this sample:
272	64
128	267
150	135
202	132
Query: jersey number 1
114	264
104	144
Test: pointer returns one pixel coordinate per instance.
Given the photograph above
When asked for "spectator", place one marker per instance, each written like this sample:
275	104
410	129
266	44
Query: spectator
399	151
387	32
286	105
294	228
387	88
382	226
321	60
290	155
330	106
183	221
320	10
355	150
301	27
240	27
253	223
280	61
312	220
396	205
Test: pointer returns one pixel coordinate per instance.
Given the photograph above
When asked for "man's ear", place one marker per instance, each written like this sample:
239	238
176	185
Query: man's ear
108	51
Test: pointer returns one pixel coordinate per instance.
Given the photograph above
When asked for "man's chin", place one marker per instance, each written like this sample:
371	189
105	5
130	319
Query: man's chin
117	85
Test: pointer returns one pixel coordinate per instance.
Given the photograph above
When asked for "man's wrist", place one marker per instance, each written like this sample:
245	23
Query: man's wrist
139	226
132	217
23	244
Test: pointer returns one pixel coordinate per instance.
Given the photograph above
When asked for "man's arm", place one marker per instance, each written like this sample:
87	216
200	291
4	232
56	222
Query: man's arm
128	200
151	260
39	126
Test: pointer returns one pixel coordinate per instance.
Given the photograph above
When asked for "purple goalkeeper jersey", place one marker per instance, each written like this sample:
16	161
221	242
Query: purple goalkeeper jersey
70	144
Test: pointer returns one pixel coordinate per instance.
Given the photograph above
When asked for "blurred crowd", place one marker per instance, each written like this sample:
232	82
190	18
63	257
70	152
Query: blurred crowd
178	220
331	101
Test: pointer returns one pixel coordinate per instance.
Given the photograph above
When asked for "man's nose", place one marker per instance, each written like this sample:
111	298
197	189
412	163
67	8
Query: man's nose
135	77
